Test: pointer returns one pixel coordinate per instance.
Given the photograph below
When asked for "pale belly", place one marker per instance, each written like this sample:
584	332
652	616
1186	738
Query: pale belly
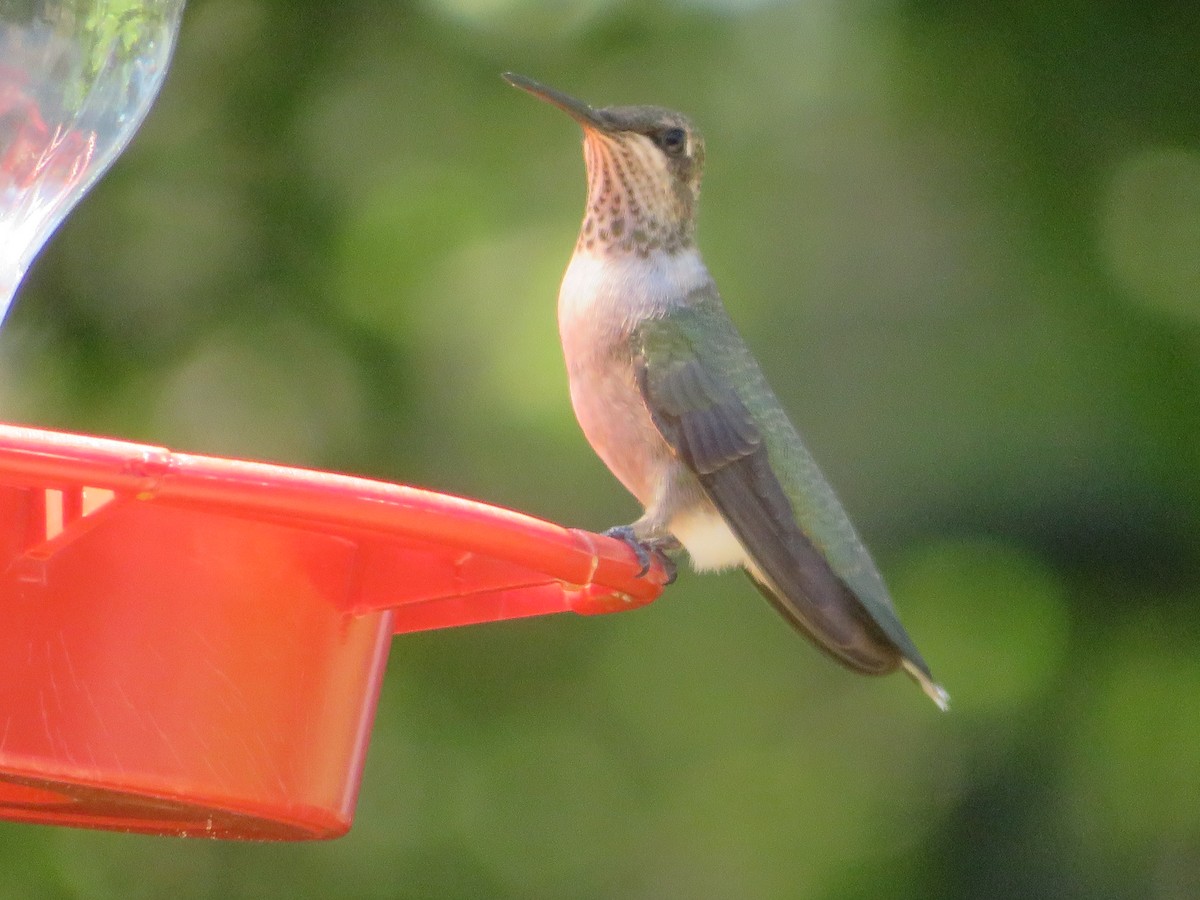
617	424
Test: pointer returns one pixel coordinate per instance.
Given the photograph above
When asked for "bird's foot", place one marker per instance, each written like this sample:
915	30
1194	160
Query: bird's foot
645	549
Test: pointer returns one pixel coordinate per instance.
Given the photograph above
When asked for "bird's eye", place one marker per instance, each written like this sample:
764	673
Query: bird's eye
673	141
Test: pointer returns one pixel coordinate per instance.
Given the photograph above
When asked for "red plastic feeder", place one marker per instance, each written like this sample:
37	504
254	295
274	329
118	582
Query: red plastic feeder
194	646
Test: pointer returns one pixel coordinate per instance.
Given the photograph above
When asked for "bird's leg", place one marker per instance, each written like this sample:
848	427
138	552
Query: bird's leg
649	536
645	547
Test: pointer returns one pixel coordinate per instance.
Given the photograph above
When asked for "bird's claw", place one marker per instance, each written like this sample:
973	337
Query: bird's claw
643	550
669	567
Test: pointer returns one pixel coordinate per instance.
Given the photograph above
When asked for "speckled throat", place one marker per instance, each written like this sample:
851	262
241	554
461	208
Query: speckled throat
634	204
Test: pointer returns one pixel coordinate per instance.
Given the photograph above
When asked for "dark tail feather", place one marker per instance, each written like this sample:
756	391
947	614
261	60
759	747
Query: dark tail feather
860	646
798	580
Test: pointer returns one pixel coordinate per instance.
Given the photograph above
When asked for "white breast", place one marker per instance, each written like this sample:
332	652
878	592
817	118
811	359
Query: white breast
619	290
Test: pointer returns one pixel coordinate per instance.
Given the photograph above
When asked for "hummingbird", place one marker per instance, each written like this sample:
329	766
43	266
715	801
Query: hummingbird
672	400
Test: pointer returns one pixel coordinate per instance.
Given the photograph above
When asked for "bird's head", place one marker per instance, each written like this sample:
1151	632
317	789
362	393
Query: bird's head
644	165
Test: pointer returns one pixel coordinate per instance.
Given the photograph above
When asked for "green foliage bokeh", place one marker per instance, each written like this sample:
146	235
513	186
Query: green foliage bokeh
964	240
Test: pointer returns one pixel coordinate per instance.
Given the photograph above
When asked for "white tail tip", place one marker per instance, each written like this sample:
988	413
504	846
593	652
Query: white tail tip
933	691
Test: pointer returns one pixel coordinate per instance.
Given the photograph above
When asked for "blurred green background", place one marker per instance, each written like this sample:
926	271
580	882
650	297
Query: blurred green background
964	239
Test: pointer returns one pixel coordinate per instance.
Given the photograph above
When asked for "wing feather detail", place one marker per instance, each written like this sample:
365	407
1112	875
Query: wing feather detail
698	398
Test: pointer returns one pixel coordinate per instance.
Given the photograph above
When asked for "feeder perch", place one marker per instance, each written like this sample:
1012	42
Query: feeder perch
194	645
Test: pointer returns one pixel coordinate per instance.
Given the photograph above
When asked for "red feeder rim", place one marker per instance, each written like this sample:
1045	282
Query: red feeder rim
195	644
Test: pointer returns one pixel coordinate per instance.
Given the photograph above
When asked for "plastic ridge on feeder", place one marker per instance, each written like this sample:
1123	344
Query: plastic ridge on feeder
194	645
